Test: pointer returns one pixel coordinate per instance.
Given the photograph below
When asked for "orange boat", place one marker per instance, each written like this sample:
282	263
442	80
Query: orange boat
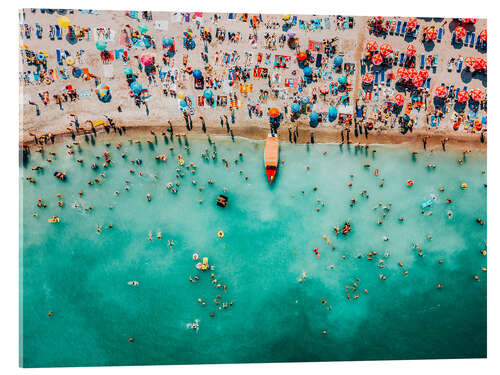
271	157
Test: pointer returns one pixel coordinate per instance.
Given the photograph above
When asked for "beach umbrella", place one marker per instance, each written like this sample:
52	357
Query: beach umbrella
338	60
385	50
469	20
342	80
188	33
102	91
183	103
332	113
399	99
462	96
313	119
291	33
424	74
371	46
460	32
167	42
197	74
470	61
70	61
180	95
146	59
417	81
412	72
295	107
476	95
411	50
412	23
308	71
406	118
128	71
480	64
304	100
379	19
143	28
136	87
377	59
63	21
483	36
441	91
301	56
208	94
324	89
431	33
286	17
367	78
274	112
403	73
101	45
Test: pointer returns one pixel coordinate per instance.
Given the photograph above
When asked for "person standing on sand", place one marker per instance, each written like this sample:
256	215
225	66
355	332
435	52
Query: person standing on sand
312	136
290	134
203	126
424	141
481	137
347	134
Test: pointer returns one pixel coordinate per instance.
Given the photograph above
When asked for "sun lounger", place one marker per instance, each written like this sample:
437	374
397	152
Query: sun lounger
58	32
453	39
403	29
428	83
398	27
459	66
467	37
393	27
472	39
415	32
376	78
440	34
401	59
382	77
58	56
422	61
478	42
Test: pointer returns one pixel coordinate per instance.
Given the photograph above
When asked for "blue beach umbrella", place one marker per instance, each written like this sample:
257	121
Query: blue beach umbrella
197	74
332	113
208	94
342	80
101	45
183	103
308	71
136	87
304	100
167	42
338	60
295	107
313	119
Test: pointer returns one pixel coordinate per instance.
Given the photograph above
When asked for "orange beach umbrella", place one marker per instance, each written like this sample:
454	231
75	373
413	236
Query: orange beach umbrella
431	33
470	61
274	112
480	64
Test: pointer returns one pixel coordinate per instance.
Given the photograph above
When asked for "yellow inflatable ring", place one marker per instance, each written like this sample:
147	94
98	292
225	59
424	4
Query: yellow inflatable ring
220	234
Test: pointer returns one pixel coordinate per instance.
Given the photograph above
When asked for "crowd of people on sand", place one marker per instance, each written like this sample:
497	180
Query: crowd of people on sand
313	81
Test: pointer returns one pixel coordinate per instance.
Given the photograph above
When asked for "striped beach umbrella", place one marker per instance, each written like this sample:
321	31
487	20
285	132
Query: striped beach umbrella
377	59
476	95
480	64
385	49
274	112
412	23
483	36
431	33
371	46
441	91
462	96
411	50
460	32
102	90
399	99
470	61
367	78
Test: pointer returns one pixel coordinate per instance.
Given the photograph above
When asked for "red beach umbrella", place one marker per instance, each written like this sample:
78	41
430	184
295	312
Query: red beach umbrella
412	73
460	32
379	19
274	112
482	35
441	91
431	33
470	61
368	78
417	81
385	49
371	46
301	56
411	50
476	95
469	20
147	59
399	99
462	96
324	89
424	74
412	23
377	59
403	73
480	64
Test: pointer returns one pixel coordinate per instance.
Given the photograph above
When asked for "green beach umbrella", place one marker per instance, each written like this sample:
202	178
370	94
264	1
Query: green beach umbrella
101	45
128	71
342	80
143	28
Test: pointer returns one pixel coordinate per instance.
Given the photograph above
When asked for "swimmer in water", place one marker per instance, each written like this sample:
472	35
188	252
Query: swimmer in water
450	215
150	236
158	235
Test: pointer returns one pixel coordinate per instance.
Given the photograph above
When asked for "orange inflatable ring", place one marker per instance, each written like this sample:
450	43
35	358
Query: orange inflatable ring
189	70
376	172
409	183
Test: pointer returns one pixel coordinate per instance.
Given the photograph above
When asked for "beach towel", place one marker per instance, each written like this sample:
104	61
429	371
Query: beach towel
85	94
161	25
107	71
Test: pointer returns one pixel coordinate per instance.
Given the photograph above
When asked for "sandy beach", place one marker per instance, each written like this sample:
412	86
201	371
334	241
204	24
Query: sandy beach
350	44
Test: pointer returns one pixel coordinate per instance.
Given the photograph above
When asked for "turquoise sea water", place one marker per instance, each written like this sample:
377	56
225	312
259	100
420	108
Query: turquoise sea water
81	276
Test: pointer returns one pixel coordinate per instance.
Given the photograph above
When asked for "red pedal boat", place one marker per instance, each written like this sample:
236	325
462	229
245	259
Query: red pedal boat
271	157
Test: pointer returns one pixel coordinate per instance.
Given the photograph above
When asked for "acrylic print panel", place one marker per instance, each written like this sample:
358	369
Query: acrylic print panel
234	188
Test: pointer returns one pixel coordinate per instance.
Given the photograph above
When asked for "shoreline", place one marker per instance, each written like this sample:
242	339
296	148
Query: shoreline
322	135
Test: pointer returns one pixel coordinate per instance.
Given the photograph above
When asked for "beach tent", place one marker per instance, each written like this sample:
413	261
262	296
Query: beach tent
338	60
295	107
101	45
136	87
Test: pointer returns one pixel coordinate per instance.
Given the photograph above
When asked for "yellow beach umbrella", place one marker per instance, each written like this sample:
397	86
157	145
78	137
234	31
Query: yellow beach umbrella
70	61
63	21
286	17
180	95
